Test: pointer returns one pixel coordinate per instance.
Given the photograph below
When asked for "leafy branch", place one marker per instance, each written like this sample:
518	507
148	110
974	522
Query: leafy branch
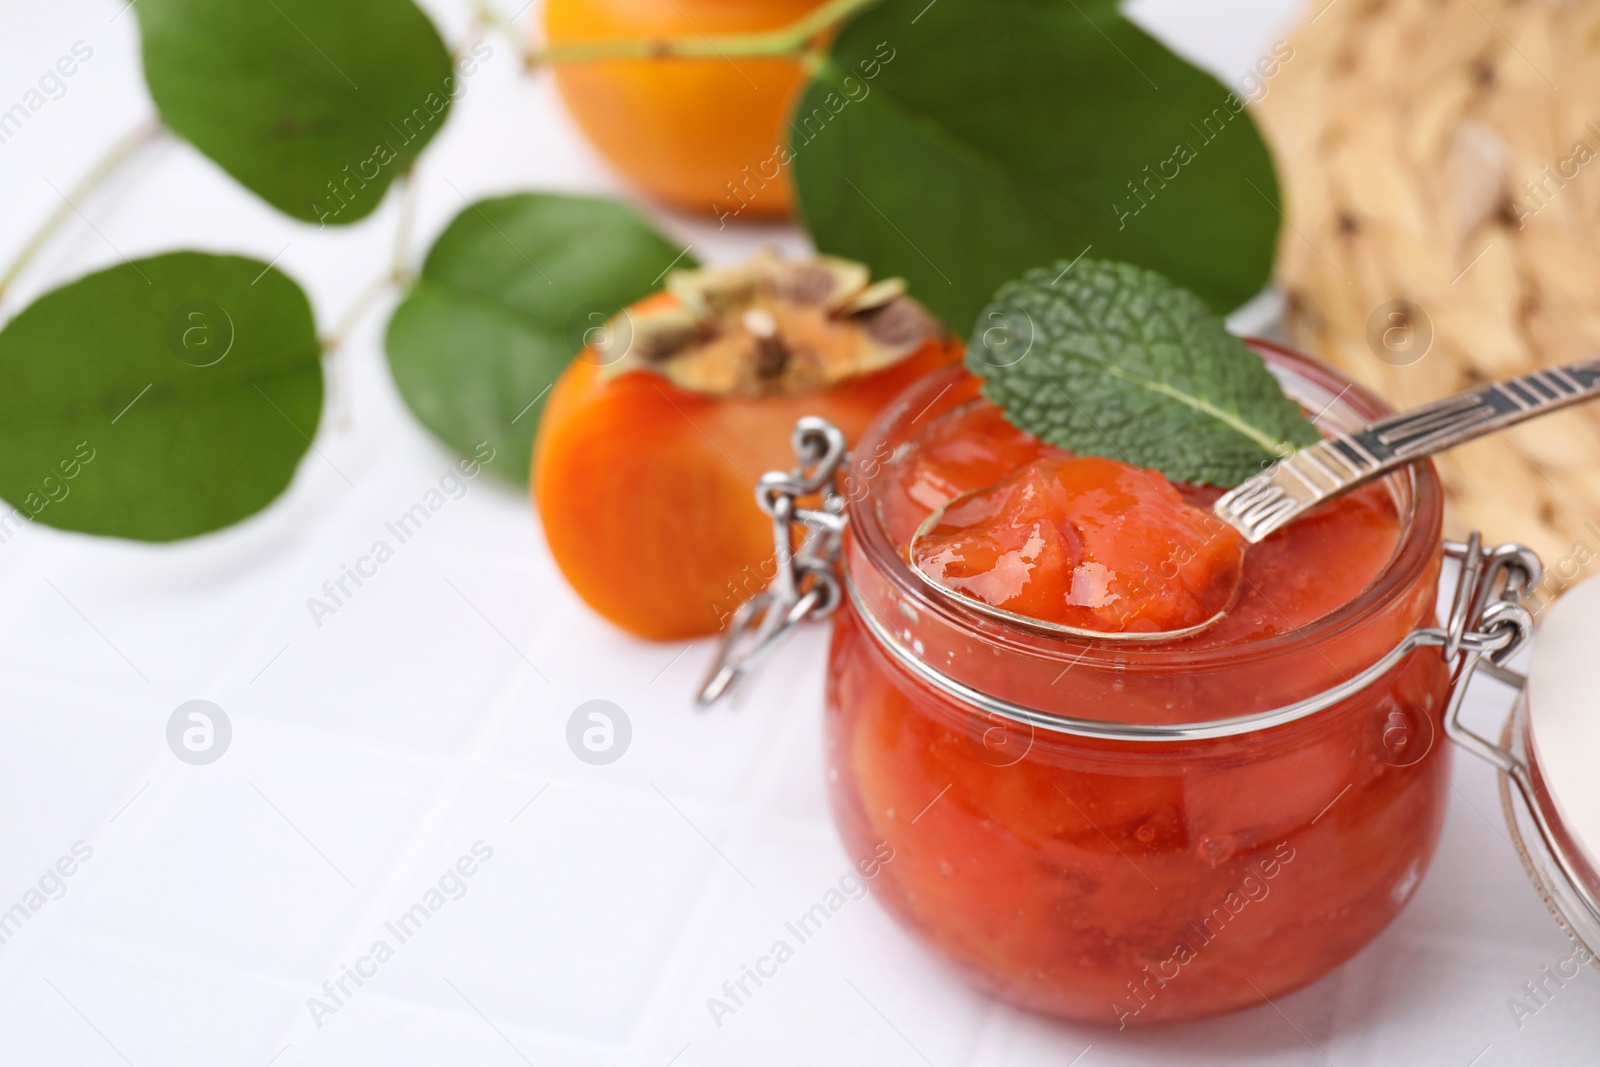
204	375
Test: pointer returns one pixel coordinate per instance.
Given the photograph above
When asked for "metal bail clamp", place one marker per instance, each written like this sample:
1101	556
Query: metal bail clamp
804	584
1488	625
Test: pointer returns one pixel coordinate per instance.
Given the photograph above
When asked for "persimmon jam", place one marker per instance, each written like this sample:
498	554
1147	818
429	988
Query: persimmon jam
1081	541
1103	545
1096	877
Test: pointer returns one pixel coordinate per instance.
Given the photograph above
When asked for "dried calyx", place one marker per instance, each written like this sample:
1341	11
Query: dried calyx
771	327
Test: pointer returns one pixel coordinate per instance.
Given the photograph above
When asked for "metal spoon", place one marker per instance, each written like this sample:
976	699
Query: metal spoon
1294	485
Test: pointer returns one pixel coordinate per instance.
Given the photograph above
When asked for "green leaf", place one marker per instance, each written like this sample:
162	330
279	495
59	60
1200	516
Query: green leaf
160	399
506	297
961	143
1109	359
315	106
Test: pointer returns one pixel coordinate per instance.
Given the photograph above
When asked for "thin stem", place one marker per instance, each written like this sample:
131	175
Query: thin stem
483	18
358	307
117	155
402	235
489	15
396	275
338	369
790	40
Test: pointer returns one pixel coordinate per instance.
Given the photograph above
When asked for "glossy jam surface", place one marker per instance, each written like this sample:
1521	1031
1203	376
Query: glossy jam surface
1133	882
1149	555
1085	542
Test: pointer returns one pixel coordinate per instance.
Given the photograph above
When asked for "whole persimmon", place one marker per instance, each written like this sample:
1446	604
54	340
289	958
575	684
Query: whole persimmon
651	443
700	134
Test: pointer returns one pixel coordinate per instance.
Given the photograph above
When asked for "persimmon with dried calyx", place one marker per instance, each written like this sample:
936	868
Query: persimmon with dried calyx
647	457
703	134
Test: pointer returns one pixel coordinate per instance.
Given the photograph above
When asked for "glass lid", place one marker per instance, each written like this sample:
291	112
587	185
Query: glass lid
1564	724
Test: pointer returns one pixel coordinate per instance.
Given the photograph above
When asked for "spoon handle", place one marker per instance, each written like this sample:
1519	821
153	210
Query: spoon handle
1294	485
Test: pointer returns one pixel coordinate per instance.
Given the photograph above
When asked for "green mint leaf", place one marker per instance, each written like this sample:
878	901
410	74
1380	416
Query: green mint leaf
1109	359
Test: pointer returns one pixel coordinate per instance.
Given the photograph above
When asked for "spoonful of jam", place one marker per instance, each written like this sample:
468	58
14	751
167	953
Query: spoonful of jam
1083	546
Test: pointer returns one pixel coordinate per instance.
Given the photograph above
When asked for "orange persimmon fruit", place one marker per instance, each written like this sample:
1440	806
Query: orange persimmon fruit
702	135
651	443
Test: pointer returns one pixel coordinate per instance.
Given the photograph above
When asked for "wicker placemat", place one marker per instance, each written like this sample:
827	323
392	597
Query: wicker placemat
1446	153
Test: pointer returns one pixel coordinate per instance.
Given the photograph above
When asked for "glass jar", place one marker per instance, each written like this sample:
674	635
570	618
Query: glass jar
1084	828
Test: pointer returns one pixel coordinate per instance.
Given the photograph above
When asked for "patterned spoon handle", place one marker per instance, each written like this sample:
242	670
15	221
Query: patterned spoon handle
1294	485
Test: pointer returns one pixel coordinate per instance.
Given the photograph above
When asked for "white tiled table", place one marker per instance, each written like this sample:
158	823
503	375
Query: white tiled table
429	715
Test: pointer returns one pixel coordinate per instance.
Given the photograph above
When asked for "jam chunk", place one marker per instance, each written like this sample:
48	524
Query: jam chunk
1085	542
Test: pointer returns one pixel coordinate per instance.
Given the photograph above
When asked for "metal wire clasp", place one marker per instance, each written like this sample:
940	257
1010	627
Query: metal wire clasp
1488	624
805	583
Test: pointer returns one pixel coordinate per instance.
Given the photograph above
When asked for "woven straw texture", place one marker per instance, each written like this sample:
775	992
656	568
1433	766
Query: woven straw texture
1447	153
